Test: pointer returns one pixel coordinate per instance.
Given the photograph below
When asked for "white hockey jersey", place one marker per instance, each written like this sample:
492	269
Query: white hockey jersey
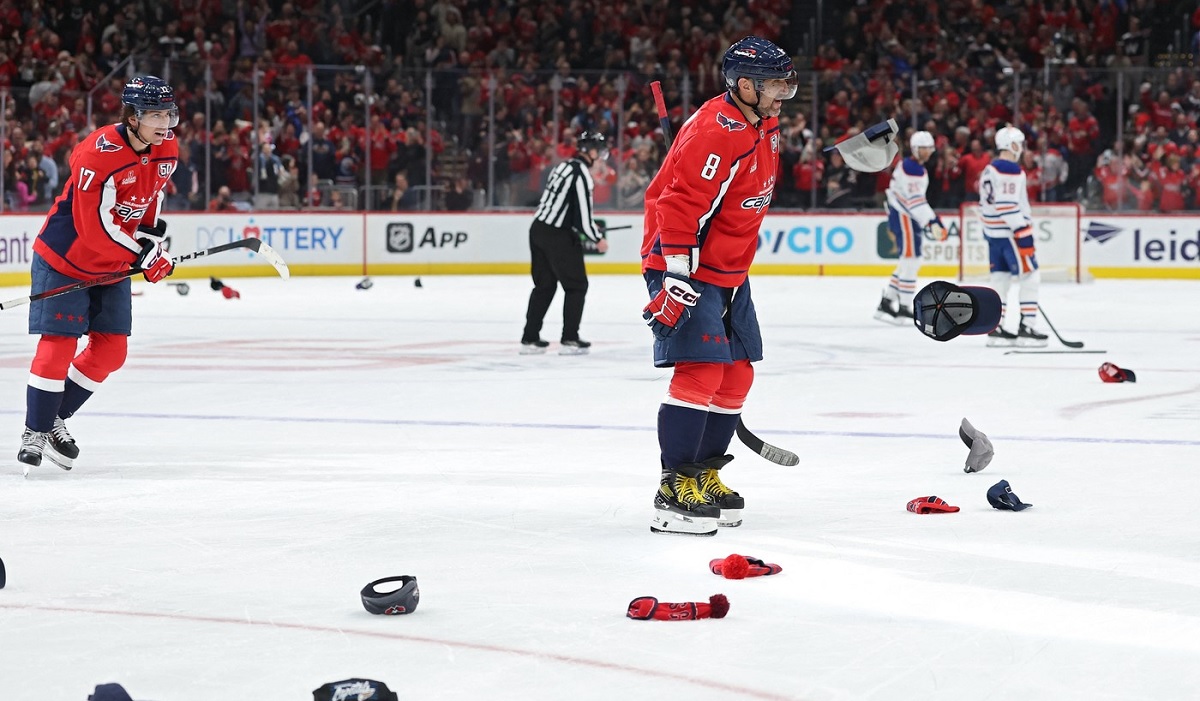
1004	201
906	193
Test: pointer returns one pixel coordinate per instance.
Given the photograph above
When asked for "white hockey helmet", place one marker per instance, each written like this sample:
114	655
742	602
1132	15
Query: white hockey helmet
921	139
1010	139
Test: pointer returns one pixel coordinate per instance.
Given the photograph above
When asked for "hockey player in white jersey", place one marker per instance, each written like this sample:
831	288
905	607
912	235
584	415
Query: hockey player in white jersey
1008	228
909	214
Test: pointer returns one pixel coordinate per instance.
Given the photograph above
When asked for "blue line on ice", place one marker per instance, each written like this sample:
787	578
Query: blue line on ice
599	427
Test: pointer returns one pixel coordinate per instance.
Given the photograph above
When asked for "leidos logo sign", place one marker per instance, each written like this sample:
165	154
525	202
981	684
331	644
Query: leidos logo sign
402	238
1147	246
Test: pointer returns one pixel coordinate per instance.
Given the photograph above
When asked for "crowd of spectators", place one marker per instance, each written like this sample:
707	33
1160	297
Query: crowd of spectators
454	104
1107	93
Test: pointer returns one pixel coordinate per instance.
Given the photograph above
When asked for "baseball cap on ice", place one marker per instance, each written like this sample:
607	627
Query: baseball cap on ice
943	310
109	692
1001	496
354	690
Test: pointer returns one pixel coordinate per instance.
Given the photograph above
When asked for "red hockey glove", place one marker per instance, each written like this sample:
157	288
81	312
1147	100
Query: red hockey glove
931	505
1024	241
670	308
155	261
645	608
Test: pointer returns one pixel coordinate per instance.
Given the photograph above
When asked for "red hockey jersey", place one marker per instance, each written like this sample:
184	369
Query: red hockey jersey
90	229
712	192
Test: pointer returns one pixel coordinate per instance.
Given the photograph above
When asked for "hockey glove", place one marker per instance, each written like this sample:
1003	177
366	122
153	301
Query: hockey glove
158	231
938	231
1024	241
646	608
671	307
155	262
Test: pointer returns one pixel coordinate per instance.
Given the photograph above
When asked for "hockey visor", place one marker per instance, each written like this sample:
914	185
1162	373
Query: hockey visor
872	150
943	310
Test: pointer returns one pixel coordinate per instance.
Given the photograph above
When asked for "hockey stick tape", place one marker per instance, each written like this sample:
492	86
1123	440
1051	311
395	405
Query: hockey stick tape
392	602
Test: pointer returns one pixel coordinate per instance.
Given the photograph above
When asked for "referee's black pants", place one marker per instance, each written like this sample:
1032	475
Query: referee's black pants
557	257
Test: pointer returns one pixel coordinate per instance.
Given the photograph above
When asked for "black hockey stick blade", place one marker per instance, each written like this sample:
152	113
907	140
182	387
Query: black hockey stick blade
253	244
775	454
1068	344
1052	352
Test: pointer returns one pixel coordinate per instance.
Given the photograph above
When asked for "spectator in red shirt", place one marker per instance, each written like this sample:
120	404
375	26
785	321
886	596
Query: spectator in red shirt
837	112
1160	111
1115	186
1032	165
1171	182
972	164
1083	131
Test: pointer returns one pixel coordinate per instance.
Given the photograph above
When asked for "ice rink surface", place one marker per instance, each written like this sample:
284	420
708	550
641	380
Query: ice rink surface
259	460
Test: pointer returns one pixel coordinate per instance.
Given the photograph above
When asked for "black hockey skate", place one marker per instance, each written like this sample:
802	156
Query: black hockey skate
576	346
1028	338
32	445
716	493
60	446
999	338
533	346
885	313
679	508
904	315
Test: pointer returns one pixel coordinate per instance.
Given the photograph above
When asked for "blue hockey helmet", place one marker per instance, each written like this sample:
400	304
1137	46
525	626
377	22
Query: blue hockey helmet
759	60
148	93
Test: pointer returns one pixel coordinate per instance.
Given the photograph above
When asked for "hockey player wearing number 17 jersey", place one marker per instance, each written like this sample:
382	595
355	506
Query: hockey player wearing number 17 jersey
1008	228
909	214
704	210
105	221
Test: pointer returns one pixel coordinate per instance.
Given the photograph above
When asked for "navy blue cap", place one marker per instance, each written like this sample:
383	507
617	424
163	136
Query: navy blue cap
110	692
1001	496
354	690
943	310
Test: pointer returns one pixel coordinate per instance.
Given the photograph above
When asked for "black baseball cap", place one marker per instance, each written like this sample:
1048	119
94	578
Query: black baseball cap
943	310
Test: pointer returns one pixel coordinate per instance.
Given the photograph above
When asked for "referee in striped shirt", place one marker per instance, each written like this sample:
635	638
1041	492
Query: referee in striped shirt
562	220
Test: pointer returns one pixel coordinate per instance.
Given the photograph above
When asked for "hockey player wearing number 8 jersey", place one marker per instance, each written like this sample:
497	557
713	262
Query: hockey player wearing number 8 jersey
704	210
1008	228
105	221
909	214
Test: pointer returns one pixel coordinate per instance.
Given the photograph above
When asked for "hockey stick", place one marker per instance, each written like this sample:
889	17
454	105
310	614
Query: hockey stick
253	244
1068	344
775	454
1052	352
661	105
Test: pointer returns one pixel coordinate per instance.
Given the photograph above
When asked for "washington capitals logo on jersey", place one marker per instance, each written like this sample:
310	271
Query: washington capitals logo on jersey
103	145
729	124
1101	233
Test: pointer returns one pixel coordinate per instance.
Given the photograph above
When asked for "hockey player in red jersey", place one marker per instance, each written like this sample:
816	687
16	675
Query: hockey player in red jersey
704	210
106	220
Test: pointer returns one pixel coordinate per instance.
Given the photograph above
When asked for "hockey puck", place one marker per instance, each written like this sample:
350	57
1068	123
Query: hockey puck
2	579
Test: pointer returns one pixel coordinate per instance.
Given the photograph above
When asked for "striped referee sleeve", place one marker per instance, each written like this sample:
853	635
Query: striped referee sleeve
567	200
